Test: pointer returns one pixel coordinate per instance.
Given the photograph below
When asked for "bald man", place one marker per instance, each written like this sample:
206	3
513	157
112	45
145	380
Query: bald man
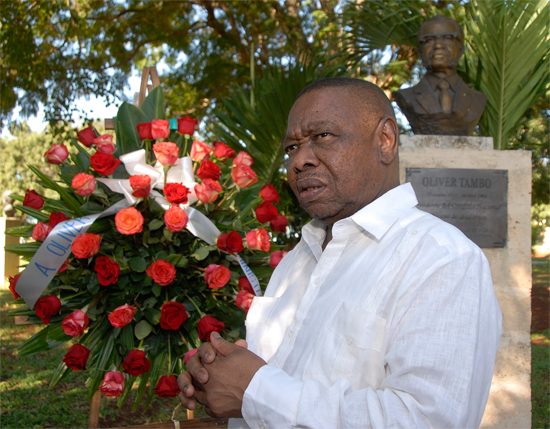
382	315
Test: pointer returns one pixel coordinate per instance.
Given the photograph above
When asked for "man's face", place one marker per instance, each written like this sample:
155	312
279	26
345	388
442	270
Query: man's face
334	165
440	47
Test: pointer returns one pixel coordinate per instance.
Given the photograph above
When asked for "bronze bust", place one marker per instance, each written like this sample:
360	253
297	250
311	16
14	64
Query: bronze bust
441	103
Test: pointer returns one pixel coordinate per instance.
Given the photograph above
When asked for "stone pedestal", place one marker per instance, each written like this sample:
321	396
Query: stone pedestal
509	404
9	263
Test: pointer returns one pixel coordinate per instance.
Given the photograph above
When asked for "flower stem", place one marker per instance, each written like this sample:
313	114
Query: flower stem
169	357
193	302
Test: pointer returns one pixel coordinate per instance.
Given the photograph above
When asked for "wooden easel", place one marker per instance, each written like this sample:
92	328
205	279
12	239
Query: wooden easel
144	89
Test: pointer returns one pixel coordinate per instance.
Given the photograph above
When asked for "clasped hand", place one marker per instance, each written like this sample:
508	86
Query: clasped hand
217	377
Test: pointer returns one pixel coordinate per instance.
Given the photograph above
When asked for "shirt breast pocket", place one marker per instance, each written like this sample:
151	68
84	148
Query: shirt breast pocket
350	347
257	323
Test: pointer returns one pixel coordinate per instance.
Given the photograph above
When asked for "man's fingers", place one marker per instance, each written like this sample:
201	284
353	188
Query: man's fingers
188	403
195	368
242	343
207	353
185	383
220	345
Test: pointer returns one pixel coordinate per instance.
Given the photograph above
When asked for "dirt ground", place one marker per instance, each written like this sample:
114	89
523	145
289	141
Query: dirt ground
540	299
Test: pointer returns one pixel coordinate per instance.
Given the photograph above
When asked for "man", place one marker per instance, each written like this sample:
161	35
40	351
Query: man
441	103
381	316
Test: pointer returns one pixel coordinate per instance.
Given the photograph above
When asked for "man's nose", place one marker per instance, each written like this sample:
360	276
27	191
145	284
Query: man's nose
305	158
438	43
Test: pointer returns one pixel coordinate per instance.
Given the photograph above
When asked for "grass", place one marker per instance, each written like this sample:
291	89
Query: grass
28	402
540	345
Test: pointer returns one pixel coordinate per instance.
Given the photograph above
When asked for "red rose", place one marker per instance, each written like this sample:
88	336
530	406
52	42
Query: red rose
144	130
217	276
112	384
189	355
269	194
243	158
243	175
41	231
175	219
83	184
122	316
87	136
166	152
172	315
104	143
57	154
136	363
200	151
209	170
258	240
63	267
33	200
76	357
161	272
47	307
278	223
107	270
86	245
266	212
230	243
207	325
176	193
141	185
13	281
244	284
75	323
208	190
129	221
104	163
222	151
57	217
160	128
275	258
186	125
167	387
244	300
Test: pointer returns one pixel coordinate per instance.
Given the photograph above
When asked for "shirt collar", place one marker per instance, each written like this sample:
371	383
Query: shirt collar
375	218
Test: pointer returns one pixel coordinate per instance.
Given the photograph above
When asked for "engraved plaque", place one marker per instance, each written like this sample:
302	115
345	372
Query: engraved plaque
475	201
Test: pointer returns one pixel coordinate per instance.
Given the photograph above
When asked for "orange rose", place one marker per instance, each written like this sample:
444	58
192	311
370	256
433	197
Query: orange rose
122	316
160	128
258	240
200	151
166	152
175	219
83	184
86	245
217	276
129	221
243	175
208	190
162	272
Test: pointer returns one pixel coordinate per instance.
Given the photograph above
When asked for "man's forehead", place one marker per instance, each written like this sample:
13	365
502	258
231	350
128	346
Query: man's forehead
438	26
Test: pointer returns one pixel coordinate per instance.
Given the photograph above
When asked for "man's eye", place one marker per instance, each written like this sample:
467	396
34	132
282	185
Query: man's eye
321	135
289	148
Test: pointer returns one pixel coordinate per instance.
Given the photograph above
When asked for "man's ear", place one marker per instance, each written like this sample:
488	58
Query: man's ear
389	136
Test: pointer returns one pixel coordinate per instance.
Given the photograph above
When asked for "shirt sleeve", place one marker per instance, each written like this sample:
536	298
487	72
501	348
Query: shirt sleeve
439	359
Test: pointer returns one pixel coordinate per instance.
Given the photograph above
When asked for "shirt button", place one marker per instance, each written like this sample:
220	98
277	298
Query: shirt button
415	232
350	341
290	334
261	425
317	281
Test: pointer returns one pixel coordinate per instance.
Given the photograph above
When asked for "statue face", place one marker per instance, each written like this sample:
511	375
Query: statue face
440	46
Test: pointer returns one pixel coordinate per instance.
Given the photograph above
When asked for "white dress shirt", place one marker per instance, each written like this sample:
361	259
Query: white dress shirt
394	324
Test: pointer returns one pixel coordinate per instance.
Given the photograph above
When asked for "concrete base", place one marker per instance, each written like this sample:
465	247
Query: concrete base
446	142
9	263
509	404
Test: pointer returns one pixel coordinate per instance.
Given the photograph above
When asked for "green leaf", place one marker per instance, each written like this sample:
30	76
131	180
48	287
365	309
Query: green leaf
155	224
56	336
153	105
93	285
58	374
156	289
102	357
156	368
129	381
142	329
201	253
152	315
138	264
127	118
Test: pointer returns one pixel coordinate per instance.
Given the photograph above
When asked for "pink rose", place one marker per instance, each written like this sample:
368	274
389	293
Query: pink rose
57	154
83	184
175	219
160	128
275	257
112	384
186	125
258	240
41	231
208	190
104	143
200	151
243	175
166	152
75	323
243	158
189	355
122	316
244	300
217	276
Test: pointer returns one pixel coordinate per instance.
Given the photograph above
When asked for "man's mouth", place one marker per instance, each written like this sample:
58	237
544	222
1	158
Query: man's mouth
310	189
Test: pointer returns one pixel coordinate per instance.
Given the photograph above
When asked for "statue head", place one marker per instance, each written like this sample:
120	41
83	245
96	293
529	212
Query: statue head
440	45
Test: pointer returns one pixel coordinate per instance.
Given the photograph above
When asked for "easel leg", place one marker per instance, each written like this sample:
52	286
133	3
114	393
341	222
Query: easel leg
94	413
